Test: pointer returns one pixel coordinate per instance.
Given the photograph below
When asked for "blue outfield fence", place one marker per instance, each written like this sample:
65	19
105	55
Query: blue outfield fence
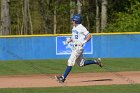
54	47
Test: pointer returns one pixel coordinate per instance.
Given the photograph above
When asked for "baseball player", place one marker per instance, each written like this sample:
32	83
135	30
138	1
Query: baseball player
80	36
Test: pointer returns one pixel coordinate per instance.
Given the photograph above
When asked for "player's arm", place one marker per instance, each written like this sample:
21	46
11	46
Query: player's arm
88	37
68	40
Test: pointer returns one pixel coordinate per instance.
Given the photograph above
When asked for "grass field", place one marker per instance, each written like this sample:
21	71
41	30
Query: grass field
58	67
83	89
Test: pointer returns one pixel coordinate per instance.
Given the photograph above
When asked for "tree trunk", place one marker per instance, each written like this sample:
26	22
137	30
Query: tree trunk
97	17
27	23
25	17
54	18
5	18
88	22
72	7
79	4
30	19
104	15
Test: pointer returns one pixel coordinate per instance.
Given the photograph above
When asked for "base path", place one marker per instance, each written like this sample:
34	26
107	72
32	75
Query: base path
77	79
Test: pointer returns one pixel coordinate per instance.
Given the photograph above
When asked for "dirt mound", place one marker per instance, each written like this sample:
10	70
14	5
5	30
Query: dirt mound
77	79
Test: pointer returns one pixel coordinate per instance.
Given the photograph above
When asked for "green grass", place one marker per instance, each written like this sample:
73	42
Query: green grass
83	89
58	66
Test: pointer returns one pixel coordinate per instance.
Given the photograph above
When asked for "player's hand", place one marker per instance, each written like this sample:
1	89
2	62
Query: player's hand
67	43
68	40
84	42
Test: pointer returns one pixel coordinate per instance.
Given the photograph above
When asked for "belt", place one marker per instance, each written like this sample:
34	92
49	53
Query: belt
75	45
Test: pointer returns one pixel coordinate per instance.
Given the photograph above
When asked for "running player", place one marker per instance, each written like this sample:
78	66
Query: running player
80	36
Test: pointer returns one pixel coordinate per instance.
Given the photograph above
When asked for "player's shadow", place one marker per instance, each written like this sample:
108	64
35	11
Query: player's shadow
97	80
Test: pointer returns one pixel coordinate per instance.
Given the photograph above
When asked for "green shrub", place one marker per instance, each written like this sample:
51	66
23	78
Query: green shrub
126	21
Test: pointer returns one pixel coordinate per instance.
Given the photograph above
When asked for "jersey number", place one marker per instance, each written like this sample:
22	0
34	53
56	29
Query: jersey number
76	36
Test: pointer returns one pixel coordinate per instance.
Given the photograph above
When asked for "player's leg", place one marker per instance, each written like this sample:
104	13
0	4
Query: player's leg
89	62
82	62
96	61
71	62
62	78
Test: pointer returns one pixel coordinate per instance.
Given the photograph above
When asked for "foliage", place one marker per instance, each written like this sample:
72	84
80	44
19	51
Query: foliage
42	15
123	15
16	17
126	21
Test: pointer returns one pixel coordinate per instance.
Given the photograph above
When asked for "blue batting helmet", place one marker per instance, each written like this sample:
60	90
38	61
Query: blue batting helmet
77	18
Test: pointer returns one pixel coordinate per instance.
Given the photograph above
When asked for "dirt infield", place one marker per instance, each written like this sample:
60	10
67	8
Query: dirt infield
78	79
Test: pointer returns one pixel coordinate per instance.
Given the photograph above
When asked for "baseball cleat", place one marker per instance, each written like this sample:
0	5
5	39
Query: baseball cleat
98	60
60	79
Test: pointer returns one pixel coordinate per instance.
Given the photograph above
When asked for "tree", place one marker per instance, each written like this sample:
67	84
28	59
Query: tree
97	17
79	4
103	15
5	17
54	18
126	21
46	10
72	10
27	23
